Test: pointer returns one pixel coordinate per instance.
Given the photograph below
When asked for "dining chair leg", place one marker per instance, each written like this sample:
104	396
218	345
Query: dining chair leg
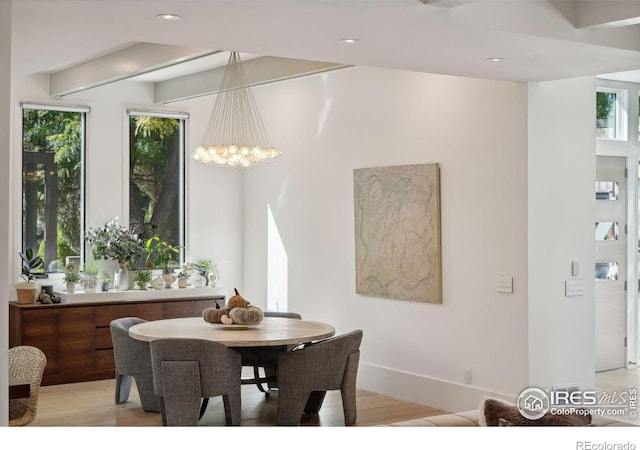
181	392
163	413
123	388
290	407
348	389
314	403
232	407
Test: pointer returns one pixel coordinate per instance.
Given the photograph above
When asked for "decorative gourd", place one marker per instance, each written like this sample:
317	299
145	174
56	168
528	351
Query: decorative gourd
213	315
237	301
226	320
246	316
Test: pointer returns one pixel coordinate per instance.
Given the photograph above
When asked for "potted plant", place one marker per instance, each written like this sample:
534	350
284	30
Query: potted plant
89	278
71	277
117	242
207	269
182	279
143	277
105	282
27	290
163	253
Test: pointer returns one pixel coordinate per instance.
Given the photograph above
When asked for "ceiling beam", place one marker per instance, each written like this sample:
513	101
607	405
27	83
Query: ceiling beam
134	60
262	70
609	14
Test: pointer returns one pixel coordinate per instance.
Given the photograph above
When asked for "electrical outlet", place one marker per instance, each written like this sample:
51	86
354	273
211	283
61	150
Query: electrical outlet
467	376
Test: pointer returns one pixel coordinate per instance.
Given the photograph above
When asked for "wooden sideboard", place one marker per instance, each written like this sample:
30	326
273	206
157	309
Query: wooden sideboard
76	337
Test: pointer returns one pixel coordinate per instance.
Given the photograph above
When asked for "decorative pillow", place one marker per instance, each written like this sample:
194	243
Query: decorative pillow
493	410
504	423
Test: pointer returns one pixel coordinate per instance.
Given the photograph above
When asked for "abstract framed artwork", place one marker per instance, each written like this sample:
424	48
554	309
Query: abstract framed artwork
397	232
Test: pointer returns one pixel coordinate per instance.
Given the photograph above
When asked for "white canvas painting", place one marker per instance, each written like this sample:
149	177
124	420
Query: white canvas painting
397	232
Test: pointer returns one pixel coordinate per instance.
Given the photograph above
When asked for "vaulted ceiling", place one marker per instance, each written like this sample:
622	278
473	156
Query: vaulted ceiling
81	44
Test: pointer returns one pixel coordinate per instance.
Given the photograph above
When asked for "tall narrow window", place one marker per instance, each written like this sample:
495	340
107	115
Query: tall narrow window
156	175
53	183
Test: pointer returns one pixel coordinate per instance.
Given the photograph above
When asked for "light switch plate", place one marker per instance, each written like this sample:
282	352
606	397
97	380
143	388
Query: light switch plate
504	284
573	288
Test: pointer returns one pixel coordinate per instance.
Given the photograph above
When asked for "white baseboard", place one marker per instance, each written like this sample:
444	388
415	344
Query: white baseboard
445	395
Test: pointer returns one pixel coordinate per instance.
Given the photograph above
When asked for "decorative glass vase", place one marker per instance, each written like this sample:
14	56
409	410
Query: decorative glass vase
169	279
213	278
199	281
89	284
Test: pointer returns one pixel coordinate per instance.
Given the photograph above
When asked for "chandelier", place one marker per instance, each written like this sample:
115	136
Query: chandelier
235	135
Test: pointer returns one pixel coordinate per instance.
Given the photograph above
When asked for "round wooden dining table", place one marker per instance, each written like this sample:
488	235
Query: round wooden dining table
272	331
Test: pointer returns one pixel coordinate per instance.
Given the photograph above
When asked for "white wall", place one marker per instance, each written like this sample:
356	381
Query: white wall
561	171
5	184
329	124
214	212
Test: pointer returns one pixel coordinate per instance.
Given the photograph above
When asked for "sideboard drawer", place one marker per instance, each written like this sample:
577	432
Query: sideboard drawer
103	338
105	359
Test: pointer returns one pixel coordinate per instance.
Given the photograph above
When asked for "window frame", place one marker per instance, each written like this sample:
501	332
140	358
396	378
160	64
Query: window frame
84	111
182	194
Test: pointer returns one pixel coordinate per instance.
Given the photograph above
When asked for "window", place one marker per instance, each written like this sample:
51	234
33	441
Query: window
156	176
611	117
53	141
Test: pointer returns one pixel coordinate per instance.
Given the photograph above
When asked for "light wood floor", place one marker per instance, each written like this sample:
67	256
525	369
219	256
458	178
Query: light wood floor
615	382
91	404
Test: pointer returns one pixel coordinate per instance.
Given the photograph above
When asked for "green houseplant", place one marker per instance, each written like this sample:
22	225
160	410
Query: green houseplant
143	277
26	290
114	241
89	277
71	277
207	269
160	253
183	278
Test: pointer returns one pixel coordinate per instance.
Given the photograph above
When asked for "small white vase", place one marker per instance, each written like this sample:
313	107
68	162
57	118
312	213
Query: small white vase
71	288
157	283
121	280
182	283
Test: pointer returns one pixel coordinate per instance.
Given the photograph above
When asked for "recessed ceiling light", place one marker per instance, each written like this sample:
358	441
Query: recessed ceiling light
348	40
495	59
168	17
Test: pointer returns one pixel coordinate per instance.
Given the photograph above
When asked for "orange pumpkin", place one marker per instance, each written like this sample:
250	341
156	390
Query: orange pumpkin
237	301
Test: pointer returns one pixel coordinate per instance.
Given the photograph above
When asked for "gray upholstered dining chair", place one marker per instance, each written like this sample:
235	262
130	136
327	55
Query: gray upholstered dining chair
27	363
265	358
305	375
132	361
186	371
